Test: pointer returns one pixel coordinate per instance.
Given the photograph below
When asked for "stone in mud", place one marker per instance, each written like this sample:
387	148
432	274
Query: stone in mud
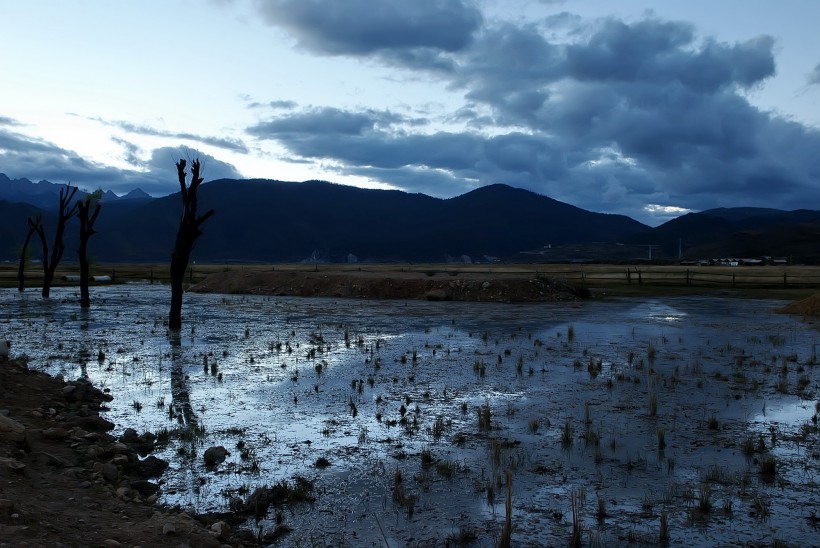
437	295
221	529
11	430
109	472
13	464
149	467
258	502
215	455
144	487
92	423
7	507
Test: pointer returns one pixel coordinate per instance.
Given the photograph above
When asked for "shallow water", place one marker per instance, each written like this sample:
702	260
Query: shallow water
291	380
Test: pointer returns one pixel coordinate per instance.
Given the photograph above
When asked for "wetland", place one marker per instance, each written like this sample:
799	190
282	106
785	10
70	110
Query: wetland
687	418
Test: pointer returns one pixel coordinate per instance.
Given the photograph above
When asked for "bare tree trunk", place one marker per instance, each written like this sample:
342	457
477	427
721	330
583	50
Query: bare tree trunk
189	230
21	268
63	215
41	233
178	265
86	231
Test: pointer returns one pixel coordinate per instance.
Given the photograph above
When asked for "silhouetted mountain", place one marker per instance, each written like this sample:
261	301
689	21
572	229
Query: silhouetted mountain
738	232
14	227
741	213
273	221
45	194
136	194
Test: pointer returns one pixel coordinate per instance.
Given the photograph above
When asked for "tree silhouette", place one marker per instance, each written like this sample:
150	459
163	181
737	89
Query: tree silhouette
33	223
189	230
87	219
64	214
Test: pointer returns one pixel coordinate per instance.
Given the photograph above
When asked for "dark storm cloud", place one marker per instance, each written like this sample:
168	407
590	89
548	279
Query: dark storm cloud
24	157
131	150
35	159
361	27
662	52
327	120
606	114
234	145
163	162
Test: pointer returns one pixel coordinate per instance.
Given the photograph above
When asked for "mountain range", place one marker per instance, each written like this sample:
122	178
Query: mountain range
261	220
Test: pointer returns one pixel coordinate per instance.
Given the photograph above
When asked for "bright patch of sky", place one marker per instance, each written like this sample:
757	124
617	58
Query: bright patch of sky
645	108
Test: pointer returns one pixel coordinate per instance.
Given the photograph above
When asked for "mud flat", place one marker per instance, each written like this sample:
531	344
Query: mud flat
431	286
619	421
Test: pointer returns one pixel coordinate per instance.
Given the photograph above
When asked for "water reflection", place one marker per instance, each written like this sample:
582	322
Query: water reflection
444	359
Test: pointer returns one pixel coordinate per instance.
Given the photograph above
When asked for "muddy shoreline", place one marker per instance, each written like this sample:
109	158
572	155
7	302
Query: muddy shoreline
431	286
67	482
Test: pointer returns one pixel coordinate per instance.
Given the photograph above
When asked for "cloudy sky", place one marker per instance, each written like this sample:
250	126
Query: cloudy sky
641	107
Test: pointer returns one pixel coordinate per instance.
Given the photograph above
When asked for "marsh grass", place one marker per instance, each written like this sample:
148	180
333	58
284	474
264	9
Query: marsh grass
506	533
718	474
465	536
575	510
566	435
663	533
426	457
705	504
768	467
651	352
484	417
652	395
439	426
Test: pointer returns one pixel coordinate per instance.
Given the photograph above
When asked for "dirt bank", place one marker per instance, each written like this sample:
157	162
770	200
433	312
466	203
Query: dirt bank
434	286
66	482
809	306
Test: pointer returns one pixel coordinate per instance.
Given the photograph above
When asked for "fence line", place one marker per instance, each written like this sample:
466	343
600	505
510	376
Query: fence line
590	276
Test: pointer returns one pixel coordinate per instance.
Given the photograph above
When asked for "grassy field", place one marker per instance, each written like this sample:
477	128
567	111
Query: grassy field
755	281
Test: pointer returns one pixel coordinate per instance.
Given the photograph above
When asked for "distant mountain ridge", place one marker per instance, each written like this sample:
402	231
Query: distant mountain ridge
275	221
738	232
45	194
261	220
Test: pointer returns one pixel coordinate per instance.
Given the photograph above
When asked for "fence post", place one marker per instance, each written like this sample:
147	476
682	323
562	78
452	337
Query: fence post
628	277
640	278
785	280
583	277
733	279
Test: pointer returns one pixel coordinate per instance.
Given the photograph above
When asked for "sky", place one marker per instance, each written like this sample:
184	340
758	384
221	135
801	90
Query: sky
645	108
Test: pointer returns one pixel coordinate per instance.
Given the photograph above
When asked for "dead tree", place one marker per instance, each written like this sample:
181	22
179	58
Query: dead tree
87	219
189	230
64	214
21	268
